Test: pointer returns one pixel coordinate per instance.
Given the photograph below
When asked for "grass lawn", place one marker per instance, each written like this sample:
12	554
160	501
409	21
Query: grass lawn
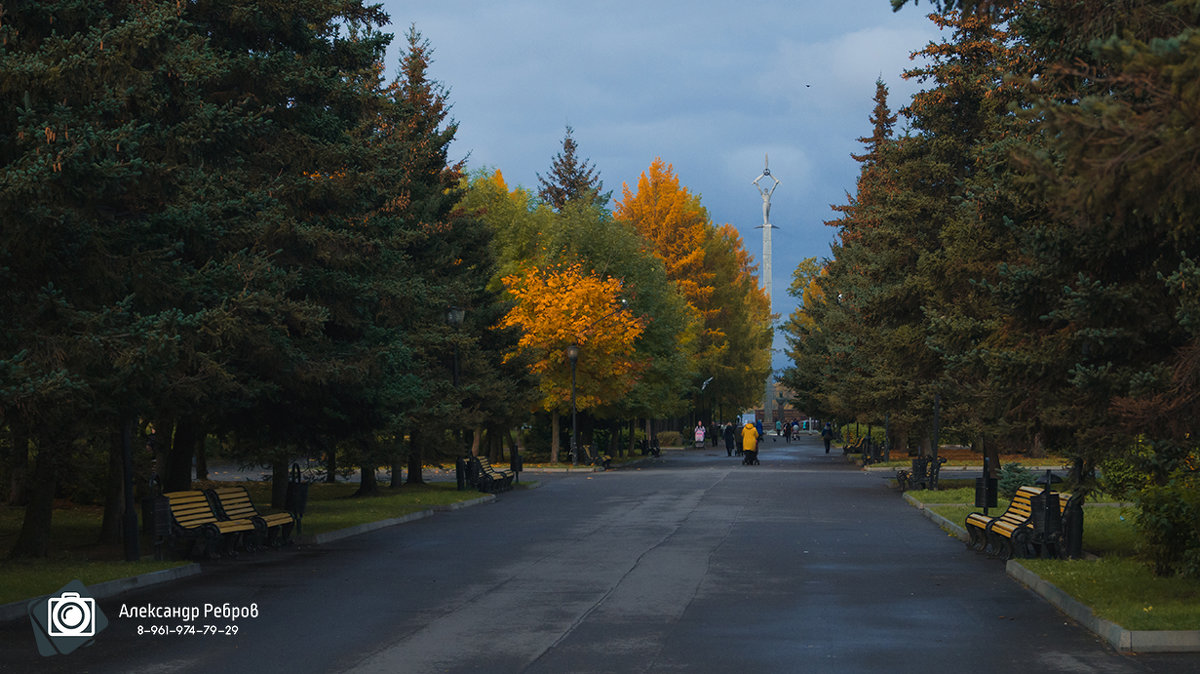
1123	590
333	506
74	553
33	578
1118	586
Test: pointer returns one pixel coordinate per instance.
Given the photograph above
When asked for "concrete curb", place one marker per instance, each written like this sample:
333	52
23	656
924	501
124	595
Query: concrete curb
339	534
944	523
593	469
112	588
955	470
1126	641
109	588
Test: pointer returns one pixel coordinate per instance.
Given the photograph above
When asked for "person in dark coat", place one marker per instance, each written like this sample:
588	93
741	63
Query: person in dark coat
730	438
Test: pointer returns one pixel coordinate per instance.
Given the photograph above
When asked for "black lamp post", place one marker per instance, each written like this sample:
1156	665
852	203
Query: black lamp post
573	356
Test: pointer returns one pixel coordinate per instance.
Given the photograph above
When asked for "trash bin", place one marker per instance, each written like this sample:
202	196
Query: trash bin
1073	527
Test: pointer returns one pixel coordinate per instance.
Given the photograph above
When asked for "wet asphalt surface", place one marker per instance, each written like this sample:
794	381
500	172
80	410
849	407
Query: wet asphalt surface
690	563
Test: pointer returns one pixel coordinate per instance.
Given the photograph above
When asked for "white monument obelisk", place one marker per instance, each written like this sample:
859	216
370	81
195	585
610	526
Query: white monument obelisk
765	193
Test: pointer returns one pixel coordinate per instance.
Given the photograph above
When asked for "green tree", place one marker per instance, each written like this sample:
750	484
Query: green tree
571	179
180	185
117	133
530	235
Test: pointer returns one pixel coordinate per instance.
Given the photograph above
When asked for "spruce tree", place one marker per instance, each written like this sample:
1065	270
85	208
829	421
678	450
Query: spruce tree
571	179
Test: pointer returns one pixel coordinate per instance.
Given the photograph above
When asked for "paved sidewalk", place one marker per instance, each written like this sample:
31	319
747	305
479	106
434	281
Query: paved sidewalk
691	563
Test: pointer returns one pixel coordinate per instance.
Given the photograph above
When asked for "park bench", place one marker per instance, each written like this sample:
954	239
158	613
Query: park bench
874	452
189	516
922	475
487	478
598	458
1013	532
651	448
855	447
233	503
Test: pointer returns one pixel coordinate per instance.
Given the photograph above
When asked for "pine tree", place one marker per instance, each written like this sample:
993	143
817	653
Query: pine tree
571	179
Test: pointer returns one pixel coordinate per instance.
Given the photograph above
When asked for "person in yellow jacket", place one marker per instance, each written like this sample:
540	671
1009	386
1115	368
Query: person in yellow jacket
749	444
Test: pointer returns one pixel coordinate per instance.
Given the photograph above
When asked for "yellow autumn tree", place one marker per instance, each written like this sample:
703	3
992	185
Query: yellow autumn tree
713	272
563	305
677	227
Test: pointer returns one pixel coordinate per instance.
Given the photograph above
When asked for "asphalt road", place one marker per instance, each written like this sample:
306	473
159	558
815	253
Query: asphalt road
693	563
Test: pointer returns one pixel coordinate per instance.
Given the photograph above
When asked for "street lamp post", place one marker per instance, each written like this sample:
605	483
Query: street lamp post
573	356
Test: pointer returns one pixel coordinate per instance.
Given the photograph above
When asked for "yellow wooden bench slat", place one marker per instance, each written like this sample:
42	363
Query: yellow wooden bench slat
236	502
191	510
488	468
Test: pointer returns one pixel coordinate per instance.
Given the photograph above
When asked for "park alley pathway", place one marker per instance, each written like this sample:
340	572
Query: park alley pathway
688	563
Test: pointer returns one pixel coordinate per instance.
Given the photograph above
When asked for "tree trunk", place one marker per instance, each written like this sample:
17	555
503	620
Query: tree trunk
114	489
18	464
201	459
397	463
991	452
1038	450
160	443
34	538
179	458
415	459
279	482
476	440
368	484
587	435
554	431
632	437
331	464
495	445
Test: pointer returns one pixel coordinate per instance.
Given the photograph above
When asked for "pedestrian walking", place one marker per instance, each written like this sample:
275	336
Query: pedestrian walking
787	434
750	436
730	439
827	435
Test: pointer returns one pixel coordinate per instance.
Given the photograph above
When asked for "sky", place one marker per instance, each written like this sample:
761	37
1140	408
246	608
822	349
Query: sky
710	86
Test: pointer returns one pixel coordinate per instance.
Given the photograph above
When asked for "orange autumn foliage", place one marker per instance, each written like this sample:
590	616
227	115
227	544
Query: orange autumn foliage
563	305
672	220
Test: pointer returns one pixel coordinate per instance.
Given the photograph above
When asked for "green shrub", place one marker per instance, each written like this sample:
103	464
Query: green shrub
1120	478
1013	476
1169	524
668	439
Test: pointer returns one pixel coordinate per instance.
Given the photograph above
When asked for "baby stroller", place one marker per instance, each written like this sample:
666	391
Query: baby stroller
750	457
